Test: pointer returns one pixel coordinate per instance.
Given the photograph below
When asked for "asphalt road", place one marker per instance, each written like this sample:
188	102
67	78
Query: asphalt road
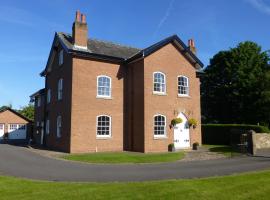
20	162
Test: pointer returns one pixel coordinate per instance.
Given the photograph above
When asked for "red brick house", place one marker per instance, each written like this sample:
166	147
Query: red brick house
101	96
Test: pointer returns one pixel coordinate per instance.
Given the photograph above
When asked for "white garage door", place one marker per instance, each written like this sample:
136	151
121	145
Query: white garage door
17	131
2	131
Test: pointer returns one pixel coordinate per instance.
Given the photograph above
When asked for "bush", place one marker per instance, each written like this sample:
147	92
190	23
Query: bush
223	133
192	122
176	121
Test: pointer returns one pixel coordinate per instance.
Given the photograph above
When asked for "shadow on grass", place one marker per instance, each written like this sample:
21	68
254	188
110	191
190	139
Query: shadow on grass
225	150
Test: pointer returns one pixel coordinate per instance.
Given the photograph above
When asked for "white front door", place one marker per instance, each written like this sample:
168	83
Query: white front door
181	133
17	131
2	131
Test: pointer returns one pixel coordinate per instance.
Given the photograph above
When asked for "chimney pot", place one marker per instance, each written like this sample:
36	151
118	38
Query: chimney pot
191	43
83	18
78	16
191	46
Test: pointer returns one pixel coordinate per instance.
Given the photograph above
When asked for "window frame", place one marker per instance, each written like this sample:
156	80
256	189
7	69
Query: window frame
47	127
21	127
110	127
49	96
110	91
183	95
165	126
165	84
13	127
38	101
60	89
61	57
59	128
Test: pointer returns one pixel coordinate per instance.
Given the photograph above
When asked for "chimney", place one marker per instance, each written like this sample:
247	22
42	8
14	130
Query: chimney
80	31
191	46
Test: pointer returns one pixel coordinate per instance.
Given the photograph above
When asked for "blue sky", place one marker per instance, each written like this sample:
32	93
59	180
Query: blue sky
27	30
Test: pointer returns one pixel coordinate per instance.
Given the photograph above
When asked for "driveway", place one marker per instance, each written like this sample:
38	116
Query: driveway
20	162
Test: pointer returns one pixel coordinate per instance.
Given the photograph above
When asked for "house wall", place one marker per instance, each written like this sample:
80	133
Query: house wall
38	118
86	106
135	106
169	61
59	107
7	117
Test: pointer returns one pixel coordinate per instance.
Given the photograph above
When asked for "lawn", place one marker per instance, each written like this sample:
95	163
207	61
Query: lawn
126	157
246	186
223	149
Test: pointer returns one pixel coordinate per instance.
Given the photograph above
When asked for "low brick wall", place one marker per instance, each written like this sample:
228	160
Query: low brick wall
260	141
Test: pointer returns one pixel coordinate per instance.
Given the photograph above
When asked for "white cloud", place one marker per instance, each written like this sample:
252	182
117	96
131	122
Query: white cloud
260	5
165	17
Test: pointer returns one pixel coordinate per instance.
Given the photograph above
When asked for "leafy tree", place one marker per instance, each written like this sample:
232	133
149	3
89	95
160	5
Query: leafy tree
27	111
236	86
5	106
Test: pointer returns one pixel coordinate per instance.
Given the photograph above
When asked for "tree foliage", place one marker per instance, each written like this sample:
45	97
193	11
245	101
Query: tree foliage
27	111
236	86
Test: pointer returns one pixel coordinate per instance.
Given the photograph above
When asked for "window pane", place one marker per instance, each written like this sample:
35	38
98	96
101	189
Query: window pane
159	82
183	87
103	126
159	125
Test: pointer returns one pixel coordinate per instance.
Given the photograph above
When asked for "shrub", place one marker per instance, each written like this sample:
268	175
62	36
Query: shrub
224	133
176	121
192	122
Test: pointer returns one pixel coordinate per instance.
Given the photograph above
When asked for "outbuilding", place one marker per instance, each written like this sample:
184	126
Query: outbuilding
14	126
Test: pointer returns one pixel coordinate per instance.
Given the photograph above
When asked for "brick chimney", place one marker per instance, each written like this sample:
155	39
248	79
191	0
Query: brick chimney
80	31
191	46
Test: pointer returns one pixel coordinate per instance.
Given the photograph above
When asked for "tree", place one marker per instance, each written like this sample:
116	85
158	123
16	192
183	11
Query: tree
27	111
236	86
5	106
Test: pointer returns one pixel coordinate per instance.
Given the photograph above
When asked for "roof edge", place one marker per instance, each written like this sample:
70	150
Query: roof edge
16	113
151	49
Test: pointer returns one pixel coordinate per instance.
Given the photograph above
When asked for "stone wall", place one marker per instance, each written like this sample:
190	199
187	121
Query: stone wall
261	140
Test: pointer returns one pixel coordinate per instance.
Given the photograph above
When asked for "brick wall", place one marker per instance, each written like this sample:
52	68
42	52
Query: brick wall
59	107
169	61
86	106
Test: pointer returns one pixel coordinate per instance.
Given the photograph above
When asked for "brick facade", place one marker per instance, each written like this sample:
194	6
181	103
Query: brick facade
131	107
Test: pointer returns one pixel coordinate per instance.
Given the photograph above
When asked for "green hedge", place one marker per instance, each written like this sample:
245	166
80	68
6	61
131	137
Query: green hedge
224	134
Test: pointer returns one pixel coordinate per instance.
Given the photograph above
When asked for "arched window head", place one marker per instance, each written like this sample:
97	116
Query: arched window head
183	86
103	126
159	126
159	83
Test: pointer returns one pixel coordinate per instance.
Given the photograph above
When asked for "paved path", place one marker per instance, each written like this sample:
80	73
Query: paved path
20	162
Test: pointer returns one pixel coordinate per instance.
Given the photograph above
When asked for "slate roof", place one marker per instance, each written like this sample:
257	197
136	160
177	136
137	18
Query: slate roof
111	52
102	47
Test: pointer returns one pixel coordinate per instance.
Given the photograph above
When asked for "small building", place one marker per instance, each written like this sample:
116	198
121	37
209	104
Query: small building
14	126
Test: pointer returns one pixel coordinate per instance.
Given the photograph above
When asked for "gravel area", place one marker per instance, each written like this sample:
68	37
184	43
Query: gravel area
201	154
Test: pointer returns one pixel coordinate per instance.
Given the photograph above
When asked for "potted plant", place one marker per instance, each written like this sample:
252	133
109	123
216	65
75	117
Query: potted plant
195	145
192	122
176	121
171	147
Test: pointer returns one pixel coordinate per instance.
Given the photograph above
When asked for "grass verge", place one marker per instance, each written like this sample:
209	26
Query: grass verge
238	187
125	157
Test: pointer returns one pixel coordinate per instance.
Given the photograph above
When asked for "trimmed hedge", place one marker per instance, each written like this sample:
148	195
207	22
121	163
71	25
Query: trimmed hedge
223	134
